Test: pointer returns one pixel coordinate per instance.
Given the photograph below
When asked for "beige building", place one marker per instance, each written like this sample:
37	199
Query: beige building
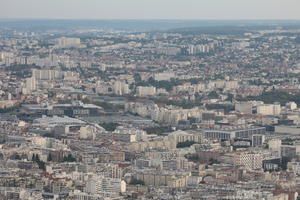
120	88
287	129
30	84
145	91
142	146
182	136
269	109
161	179
274	145
244	107
249	160
291	105
64	42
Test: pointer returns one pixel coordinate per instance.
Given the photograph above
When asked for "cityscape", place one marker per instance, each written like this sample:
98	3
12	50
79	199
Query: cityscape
120	109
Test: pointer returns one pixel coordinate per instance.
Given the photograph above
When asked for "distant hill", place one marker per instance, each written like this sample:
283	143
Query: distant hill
205	26
232	30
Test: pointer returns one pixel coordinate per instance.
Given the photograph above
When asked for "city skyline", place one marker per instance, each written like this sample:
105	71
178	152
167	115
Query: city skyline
138	100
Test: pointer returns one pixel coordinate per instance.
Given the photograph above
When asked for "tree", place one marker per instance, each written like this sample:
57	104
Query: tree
137	78
158	130
185	144
69	158
40	163
37	158
135	181
192	157
230	97
33	157
226	107
49	157
276	96
109	126
17	157
213	161
213	95
51	94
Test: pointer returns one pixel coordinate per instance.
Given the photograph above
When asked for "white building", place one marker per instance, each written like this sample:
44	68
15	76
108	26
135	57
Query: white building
244	107
146	91
293	130
231	132
30	84
291	105
295	166
182	136
64	42
258	140
120	88
250	160
274	145
196	49
164	76
269	109
104	185
88	132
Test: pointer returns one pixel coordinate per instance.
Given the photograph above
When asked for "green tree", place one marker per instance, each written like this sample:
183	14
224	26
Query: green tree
137	77
230	97
135	181
41	165
185	144
109	126
17	157
49	157
213	95
69	158
37	158
33	158
213	161
51	94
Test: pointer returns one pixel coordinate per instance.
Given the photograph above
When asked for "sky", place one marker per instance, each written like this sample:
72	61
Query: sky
150	9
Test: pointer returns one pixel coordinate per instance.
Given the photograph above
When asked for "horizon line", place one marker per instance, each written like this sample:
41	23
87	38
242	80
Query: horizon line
149	19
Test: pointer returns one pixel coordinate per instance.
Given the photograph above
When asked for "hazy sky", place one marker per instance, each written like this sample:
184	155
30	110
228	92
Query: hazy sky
151	9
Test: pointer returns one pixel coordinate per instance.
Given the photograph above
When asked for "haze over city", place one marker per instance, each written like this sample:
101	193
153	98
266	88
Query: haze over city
156	99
